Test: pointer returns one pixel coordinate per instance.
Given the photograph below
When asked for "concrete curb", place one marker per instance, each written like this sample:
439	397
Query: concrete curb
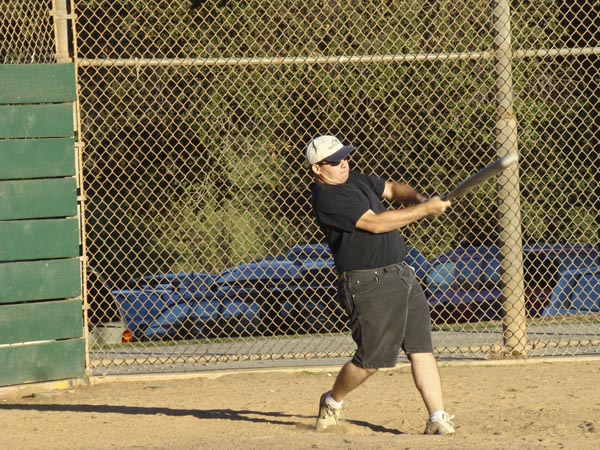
212	375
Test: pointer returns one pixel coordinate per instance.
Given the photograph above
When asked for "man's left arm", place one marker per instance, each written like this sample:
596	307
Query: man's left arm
402	193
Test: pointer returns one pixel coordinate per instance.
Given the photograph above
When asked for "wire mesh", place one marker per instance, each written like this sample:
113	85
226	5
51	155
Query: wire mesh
200	239
26	32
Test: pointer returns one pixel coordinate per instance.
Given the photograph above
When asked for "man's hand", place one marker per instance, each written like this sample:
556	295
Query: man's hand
436	206
402	193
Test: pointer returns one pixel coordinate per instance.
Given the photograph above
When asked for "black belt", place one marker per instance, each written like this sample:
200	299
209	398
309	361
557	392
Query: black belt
390	268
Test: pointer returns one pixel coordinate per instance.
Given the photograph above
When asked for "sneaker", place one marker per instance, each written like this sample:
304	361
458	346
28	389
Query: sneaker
328	416
443	425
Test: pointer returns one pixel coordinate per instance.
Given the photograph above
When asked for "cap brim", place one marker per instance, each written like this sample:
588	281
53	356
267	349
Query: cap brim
340	154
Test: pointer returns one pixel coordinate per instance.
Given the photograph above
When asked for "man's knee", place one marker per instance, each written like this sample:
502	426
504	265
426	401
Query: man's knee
367	371
354	367
420	356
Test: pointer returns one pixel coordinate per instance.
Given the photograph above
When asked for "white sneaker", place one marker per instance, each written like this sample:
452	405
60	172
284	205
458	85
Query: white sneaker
328	415
442	425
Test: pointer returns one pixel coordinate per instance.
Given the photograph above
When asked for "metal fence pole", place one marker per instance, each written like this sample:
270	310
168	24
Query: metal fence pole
61	30
509	208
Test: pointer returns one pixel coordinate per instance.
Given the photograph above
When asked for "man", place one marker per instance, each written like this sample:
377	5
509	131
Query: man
386	307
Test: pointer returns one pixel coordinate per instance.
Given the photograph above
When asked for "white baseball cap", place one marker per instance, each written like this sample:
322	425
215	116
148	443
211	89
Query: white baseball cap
326	148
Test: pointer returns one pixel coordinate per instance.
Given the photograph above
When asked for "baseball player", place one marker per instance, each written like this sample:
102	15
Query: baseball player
385	305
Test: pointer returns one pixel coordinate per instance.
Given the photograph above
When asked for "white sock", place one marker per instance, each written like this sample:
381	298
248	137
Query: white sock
437	415
331	402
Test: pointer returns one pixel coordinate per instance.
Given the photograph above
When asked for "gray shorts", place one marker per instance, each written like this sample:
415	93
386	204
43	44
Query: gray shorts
387	311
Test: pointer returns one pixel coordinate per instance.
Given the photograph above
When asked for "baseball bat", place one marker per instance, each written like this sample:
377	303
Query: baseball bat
482	176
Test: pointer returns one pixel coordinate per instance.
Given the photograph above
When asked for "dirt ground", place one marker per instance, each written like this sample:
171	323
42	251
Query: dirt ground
515	405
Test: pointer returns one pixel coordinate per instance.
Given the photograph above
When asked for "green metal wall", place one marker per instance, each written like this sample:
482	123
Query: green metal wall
41	319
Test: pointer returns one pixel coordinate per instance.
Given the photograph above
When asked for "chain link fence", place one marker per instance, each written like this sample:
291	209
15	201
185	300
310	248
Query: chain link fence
27	32
201	247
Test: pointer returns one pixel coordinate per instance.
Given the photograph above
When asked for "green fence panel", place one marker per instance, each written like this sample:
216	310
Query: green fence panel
39	239
40	280
30	121
37	158
41	321
41	316
42	361
37	83
24	199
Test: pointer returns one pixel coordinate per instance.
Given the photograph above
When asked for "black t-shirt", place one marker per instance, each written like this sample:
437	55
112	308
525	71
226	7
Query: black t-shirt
338	207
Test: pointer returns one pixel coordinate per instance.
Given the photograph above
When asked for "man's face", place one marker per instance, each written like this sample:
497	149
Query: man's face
331	173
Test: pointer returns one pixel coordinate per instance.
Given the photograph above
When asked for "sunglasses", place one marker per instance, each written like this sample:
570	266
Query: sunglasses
332	163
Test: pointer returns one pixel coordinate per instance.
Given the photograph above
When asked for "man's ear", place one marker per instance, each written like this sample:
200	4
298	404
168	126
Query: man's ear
316	169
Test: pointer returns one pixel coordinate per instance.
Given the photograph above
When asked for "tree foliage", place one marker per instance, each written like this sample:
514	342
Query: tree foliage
198	167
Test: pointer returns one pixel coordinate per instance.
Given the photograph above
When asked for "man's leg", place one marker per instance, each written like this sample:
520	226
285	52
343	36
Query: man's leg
350	377
427	380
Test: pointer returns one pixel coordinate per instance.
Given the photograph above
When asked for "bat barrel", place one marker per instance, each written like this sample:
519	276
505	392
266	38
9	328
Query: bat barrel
483	175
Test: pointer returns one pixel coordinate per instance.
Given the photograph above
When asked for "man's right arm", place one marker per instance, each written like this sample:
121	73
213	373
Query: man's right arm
396	218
